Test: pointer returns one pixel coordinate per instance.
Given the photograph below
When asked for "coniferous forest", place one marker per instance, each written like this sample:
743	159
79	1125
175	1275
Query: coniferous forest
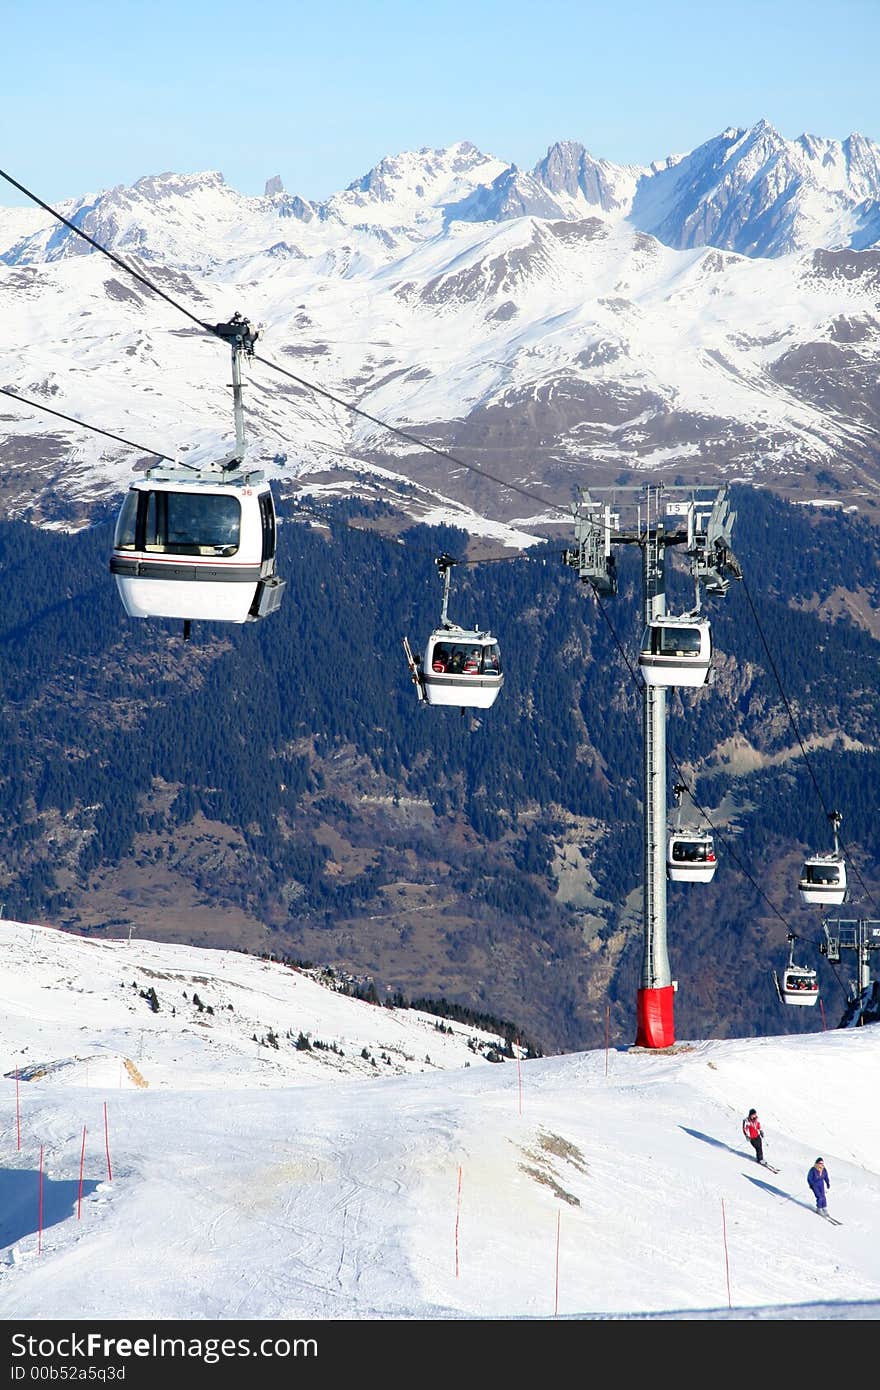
276	786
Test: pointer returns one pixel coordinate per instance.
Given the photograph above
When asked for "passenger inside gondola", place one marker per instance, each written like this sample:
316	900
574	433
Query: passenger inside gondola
184	523
679	641
691	851
822	873
464	659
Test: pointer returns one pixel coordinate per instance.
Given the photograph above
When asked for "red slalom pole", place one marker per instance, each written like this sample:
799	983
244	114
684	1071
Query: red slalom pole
726	1260
82	1157
40	1208
457	1216
107	1144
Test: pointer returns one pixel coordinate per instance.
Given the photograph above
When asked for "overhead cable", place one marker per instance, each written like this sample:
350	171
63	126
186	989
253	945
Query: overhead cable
274	366
83	424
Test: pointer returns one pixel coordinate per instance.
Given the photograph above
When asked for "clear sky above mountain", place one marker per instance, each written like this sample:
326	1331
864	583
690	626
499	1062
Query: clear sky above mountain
97	94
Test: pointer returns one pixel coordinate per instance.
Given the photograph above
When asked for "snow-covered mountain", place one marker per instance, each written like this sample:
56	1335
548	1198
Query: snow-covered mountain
713	313
172	1165
255	1018
746	190
753	192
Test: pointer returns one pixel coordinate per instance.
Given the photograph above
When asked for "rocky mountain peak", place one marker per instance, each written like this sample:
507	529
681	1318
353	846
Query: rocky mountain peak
169	185
560	169
569	168
754	192
418	172
512	194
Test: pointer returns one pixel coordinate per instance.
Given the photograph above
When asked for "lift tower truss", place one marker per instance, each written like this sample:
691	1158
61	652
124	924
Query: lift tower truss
701	521
861	936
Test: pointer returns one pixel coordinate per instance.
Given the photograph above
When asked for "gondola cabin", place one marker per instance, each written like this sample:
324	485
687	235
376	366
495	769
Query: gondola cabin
461	668
800	986
690	857
823	880
197	547
676	651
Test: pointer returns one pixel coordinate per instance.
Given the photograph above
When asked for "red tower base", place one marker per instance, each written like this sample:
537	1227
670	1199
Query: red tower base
655	1022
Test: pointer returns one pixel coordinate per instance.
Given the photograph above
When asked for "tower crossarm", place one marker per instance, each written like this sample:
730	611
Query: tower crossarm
239	332
710	524
593	556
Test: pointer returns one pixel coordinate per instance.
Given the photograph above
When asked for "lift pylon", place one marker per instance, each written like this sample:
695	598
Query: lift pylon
701	522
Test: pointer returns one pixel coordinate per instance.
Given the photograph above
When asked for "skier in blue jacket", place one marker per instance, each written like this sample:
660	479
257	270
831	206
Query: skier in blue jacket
819	1180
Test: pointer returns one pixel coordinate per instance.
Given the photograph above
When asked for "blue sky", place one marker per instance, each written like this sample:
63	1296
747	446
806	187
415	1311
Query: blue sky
99	93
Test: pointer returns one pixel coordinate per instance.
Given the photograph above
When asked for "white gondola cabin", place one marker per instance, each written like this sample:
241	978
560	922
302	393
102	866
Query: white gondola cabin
799	984
197	546
690	857
690	851
461	667
822	882
676	650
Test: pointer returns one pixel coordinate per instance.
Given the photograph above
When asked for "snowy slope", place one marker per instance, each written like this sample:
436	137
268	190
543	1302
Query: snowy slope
225	1181
244	1000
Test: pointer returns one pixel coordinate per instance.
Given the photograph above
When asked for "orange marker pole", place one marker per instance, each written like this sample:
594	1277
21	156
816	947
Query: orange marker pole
726	1259
82	1158
107	1144
457	1217
40	1207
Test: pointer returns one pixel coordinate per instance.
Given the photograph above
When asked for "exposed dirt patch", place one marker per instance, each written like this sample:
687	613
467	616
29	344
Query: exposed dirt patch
562	1148
547	1180
541	1168
135	1074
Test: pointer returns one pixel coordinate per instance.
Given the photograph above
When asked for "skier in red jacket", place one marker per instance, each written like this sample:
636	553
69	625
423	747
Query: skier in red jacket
755	1134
